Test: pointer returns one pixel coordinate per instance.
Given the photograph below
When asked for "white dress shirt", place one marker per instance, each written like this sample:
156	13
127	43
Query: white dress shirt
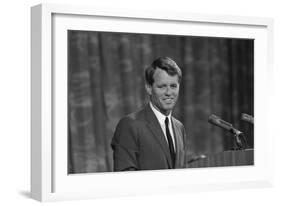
161	119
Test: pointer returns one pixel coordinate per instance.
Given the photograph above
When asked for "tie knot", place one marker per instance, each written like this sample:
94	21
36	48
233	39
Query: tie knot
167	121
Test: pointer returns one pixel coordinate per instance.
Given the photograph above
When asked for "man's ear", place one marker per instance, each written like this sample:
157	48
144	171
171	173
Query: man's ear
148	88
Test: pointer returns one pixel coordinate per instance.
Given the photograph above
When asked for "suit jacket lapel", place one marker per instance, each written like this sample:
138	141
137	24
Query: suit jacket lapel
158	134
178	143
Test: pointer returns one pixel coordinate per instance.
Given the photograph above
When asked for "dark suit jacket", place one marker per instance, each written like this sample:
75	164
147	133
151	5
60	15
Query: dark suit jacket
139	143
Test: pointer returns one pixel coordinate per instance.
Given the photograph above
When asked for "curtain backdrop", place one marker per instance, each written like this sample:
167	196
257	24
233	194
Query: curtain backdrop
105	82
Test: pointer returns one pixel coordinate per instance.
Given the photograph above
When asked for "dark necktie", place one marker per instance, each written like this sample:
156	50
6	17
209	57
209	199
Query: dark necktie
170	141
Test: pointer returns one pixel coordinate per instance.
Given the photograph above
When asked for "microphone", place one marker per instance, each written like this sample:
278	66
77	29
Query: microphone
215	120
247	118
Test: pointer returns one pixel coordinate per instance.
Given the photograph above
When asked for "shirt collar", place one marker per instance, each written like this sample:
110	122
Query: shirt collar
161	117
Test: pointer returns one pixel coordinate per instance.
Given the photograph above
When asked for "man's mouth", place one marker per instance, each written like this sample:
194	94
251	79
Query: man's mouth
168	100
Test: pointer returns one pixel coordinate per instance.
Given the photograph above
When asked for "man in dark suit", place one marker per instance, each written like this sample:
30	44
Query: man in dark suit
151	138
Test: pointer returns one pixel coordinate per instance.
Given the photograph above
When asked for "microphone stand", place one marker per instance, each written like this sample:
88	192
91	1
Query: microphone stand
238	145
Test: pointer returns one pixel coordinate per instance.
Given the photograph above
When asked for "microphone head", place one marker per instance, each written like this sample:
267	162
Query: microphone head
215	120
247	118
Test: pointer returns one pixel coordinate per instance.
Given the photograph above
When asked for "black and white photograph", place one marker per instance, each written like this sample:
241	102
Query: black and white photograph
159	102
153	101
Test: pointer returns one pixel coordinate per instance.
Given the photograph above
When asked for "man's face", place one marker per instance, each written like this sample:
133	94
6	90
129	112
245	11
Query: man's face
164	91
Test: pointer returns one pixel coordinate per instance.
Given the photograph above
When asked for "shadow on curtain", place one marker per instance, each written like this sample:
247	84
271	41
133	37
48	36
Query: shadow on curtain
105	82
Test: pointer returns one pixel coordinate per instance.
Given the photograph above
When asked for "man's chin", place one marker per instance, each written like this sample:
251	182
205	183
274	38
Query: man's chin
169	107
165	108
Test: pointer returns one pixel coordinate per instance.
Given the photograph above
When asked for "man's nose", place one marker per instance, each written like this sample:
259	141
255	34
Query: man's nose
168	91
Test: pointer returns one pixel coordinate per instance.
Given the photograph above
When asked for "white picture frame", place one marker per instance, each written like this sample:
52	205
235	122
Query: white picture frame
49	178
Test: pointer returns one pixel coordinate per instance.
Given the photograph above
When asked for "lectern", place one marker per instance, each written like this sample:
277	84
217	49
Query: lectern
226	158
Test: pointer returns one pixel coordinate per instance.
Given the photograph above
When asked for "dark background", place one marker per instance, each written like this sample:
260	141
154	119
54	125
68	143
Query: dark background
105	82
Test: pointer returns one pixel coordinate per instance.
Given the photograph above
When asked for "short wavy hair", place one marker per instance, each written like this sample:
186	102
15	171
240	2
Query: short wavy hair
164	63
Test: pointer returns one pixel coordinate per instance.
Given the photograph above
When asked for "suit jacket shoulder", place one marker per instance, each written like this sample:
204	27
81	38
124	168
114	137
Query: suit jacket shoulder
129	122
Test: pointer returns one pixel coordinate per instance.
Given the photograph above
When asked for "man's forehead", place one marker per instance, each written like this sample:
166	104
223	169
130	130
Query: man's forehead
167	80
162	73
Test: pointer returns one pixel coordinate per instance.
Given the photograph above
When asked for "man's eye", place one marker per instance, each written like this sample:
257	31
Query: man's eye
174	86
